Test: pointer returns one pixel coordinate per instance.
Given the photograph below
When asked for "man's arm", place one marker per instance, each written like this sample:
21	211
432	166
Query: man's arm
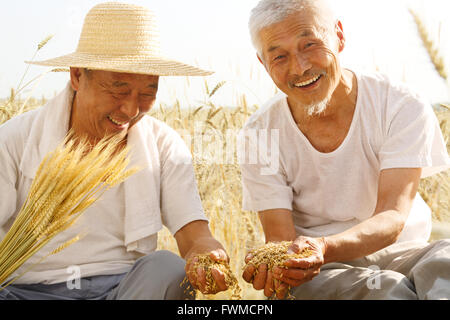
396	191
193	239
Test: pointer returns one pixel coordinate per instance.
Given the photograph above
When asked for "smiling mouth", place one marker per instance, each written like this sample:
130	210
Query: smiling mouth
119	123
307	83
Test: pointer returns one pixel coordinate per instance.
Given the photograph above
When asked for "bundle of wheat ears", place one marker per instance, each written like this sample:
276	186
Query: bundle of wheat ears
67	182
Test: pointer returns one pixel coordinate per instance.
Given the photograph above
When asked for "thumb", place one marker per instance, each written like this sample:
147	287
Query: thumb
219	255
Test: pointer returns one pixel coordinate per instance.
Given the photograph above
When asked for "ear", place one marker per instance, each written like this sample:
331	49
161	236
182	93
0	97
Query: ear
75	74
341	36
259	59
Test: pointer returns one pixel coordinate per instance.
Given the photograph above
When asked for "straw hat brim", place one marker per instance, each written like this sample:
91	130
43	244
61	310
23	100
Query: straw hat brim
125	64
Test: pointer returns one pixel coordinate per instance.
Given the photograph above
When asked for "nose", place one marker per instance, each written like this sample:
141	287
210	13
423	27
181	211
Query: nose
299	64
130	105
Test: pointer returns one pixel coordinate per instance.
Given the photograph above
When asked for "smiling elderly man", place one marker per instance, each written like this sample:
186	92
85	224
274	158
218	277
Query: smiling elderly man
352	148
114	78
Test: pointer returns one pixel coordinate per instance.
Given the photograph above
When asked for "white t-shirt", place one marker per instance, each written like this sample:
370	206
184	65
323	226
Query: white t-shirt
331	192
123	224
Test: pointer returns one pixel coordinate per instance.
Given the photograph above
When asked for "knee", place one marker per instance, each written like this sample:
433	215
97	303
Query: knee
443	243
162	258
157	276
165	263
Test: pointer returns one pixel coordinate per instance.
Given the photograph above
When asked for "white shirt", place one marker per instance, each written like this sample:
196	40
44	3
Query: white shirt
123	224
331	192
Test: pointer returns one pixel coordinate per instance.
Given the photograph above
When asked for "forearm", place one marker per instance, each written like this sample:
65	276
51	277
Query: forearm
277	225
369	236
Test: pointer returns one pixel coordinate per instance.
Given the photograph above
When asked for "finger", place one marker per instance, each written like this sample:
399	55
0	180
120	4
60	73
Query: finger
190	272
248	257
248	273
219	278
295	282
259	281
219	255
311	262
289	281
201	279
282	290
293	273
295	247
268	288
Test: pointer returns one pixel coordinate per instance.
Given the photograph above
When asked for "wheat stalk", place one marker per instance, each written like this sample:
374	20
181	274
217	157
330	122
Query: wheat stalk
68	181
433	50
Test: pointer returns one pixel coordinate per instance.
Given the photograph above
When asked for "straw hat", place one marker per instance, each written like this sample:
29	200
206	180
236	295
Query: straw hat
122	38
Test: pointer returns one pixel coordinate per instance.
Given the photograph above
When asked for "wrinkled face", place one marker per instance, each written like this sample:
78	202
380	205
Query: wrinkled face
301	57
110	102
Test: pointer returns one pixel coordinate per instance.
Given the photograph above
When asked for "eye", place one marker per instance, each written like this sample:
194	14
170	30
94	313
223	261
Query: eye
279	57
309	44
118	95
147	95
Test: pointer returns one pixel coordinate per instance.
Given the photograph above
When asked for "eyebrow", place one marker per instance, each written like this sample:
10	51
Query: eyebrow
303	34
118	84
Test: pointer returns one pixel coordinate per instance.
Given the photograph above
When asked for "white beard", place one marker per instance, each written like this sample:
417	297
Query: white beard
317	108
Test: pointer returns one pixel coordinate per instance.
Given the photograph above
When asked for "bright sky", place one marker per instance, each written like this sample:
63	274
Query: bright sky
213	34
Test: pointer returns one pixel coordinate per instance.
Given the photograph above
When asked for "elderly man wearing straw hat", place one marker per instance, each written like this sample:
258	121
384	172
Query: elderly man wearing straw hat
113	84
352	148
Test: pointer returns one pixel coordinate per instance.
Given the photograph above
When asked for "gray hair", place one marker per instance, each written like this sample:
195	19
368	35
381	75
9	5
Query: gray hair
269	12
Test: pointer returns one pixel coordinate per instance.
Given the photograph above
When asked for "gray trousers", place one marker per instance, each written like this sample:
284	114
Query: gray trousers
157	276
403	271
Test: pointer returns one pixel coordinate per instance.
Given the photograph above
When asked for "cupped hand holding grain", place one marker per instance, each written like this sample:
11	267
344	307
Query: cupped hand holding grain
208	279
262	279
278	266
296	271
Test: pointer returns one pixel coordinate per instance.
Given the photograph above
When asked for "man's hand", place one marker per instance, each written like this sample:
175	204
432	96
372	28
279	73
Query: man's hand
195	239
262	279
297	271
197	275
301	270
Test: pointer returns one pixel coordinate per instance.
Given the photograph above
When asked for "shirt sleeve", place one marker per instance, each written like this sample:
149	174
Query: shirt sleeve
264	184
180	200
413	139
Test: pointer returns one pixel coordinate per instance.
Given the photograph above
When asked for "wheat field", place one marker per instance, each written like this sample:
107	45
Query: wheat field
219	180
